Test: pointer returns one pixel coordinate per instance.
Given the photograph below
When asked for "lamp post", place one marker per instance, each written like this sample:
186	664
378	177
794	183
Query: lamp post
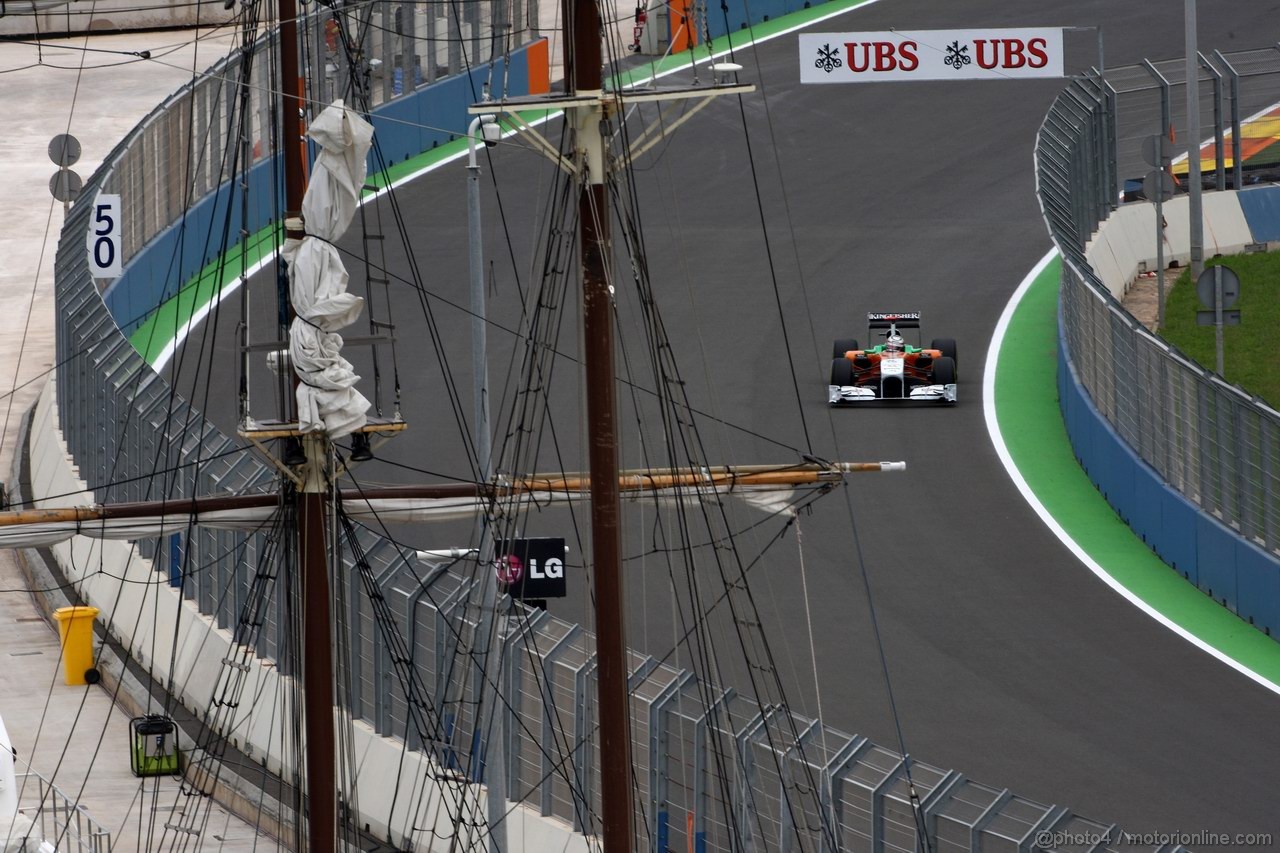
488	630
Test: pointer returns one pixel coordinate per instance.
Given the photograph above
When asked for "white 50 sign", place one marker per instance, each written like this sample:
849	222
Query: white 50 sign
104	237
930	55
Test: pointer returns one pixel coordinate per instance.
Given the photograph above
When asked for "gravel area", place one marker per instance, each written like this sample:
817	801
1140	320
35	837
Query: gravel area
1140	300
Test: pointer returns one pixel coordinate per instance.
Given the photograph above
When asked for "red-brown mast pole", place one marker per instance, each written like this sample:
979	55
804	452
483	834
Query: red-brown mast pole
317	672
584	70
295	182
313	563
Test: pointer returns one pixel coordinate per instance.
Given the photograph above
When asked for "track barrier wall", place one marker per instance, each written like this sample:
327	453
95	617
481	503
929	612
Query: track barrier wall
176	251
1189	461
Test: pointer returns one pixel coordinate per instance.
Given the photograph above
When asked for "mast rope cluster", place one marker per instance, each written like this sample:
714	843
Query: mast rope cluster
528	405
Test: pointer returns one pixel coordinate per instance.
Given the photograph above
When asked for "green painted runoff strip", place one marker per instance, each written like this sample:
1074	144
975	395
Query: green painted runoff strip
163	325
1031	424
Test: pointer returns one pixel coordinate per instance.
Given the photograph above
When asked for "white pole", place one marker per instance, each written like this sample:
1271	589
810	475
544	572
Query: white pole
489	630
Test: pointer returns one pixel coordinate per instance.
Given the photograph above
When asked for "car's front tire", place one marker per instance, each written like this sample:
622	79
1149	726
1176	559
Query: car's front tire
944	371
841	372
844	345
948	348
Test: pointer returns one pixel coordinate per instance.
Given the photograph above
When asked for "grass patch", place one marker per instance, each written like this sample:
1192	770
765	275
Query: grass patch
1250	357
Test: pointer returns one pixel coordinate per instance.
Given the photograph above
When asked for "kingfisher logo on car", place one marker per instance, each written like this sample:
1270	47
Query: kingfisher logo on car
904	315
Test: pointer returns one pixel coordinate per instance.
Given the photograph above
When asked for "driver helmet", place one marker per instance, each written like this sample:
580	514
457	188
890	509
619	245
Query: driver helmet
893	344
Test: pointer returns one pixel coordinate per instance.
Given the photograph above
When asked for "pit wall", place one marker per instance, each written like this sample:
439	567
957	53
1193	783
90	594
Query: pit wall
166	633
1226	566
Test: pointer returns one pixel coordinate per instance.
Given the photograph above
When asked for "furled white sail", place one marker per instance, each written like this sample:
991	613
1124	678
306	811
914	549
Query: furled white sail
772	499
769	488
43	533
327	397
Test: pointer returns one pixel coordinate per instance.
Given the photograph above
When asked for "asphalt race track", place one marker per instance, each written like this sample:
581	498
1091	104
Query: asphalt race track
1010	661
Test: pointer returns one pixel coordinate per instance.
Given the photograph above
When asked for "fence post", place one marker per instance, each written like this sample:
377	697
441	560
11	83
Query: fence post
1235	118
1166	103
1220	180
833	790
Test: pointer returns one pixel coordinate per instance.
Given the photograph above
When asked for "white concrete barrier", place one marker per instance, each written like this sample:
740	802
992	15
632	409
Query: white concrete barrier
43	18
1125	243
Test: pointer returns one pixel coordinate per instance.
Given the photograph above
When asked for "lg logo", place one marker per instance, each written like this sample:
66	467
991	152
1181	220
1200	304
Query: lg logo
551	568
511	568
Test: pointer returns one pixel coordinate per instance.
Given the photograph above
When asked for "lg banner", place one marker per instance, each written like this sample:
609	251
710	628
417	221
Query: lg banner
532	568
1001	54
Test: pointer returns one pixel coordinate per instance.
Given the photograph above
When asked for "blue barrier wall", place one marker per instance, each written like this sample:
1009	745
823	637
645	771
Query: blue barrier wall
176	254
403	128
738	17
1233	571
1261	207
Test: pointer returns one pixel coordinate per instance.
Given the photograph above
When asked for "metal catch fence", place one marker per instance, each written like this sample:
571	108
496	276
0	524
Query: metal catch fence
398	47
714	770
1214	443
57	818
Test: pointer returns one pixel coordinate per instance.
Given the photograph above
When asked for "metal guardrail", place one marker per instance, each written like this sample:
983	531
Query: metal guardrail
708	761
1212	442
57	818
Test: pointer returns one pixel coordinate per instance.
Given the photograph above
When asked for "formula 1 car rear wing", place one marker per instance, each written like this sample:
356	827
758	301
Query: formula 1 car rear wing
905	320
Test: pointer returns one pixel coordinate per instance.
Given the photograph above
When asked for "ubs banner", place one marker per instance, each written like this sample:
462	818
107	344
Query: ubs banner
999	54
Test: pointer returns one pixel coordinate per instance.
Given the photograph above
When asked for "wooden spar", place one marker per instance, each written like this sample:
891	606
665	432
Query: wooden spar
640	480
317	668
142	509
630	481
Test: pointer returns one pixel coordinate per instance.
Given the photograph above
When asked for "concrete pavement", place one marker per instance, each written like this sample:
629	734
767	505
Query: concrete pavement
65	732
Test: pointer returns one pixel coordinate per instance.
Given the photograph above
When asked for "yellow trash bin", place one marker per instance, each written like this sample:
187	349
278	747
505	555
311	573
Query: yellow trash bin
75	627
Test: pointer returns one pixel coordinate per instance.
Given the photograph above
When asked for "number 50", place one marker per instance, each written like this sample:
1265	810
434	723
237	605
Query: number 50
104	238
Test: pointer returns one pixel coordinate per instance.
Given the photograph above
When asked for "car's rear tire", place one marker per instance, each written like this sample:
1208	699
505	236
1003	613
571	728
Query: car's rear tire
948	348
944	371
841	372
844	345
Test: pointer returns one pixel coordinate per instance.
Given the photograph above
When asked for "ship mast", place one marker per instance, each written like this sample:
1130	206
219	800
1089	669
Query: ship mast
588	110
583	65
317	664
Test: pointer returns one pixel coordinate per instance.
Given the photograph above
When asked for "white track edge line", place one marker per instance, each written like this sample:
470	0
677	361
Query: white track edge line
997	439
